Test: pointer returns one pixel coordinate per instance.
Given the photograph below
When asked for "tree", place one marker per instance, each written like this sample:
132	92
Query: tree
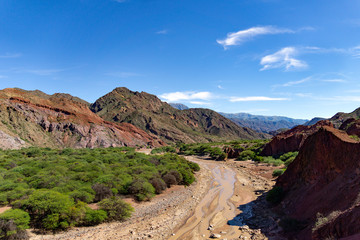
117	209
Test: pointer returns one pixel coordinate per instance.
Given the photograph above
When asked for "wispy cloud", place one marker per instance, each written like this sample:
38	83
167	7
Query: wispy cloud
11	55
124	74
44	72
181	96
237	38
220	87
255	98
164	31
284	58
334	80
326	77
2	76
355	51
292	83
199	103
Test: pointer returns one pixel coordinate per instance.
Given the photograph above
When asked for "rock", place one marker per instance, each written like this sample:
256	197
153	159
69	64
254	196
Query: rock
215	235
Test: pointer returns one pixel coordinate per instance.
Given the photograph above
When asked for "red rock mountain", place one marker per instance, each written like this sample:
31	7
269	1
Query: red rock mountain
33	118
292	140
322	186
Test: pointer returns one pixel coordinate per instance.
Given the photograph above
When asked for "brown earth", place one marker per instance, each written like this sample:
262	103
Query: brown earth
322	186
292	140
33	118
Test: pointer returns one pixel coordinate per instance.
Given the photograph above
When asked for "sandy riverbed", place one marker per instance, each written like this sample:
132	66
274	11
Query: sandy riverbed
209	206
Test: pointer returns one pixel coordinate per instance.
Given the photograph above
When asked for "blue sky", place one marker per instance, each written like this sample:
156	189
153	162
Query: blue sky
271	57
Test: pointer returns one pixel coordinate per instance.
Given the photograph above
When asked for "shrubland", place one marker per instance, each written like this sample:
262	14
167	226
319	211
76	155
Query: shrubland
50	189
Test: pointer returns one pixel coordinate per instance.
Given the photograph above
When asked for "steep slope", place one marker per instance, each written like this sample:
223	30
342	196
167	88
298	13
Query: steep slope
341	117
34	118
265	124
322	186
149	113
291	140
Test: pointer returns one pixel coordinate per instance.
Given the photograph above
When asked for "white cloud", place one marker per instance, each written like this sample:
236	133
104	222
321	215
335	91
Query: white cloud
284	58
241	36
355	51
334	80
199	103
162	32
220	87
292	83
44	72
11	55
255	98
180	96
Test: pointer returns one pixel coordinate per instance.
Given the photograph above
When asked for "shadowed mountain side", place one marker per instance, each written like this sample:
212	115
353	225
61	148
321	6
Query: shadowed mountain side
322	186
33	118
291	140
158	118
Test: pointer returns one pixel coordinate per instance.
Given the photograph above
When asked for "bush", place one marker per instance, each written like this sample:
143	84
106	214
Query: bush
101	192
158	184
217	154
275	195
246	155
13	223
194	166
169	179
48	209
278	172
142	190
117	209
94	217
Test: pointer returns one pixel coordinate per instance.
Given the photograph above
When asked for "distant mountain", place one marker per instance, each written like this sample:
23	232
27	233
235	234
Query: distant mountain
341	117
265	124
179	106
313	121
158	118
33	118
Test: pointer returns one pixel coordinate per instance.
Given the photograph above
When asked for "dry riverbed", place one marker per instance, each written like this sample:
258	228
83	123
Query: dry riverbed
207	208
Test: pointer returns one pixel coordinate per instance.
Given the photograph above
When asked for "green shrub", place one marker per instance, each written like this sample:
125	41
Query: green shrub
194	166
159	185
47	208
275	195
19	217
117	209
94	217
246	155
142	190
278	172
272	161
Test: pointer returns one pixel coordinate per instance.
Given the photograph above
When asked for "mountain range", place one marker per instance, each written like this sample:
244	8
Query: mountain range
120	118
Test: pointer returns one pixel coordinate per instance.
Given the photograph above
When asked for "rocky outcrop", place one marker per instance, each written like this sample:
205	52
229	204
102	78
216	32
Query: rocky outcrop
292	140
33	118
158	118
322	186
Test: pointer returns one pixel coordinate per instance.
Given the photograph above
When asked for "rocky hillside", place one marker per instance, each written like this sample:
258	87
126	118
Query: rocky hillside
322	187
292	140
158	118
33	118
341	117
265	124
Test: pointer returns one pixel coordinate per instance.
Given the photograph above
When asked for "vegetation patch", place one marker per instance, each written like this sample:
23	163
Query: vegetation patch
54	187
275	195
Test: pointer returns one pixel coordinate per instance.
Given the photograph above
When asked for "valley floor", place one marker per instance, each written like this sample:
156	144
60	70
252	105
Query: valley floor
209	206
